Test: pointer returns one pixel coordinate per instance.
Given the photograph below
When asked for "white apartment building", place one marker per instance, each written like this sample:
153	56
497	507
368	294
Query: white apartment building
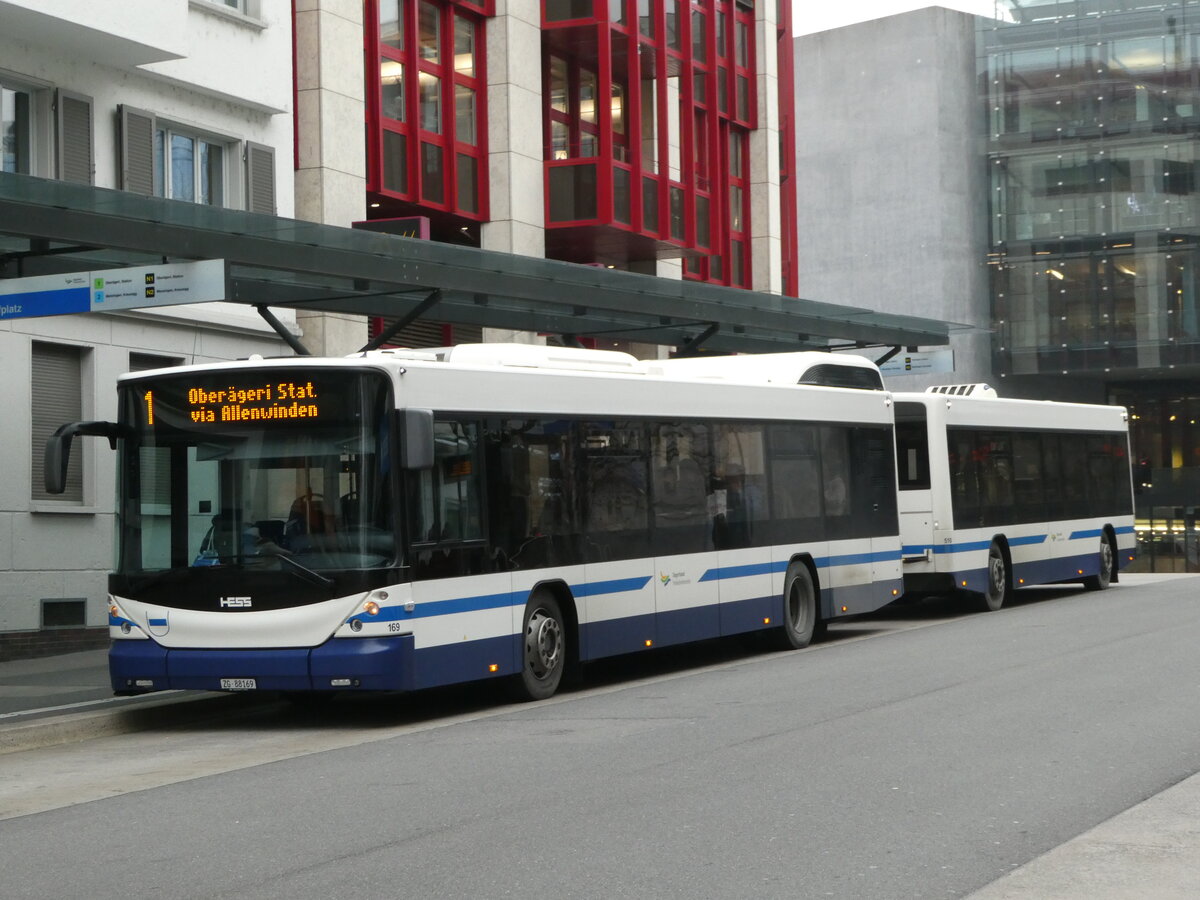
183	99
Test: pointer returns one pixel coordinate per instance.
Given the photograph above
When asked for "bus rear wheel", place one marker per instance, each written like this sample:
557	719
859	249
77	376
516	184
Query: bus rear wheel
543	649
1103	577
799	608
996	593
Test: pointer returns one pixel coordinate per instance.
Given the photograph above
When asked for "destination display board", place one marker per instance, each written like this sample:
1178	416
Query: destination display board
262	398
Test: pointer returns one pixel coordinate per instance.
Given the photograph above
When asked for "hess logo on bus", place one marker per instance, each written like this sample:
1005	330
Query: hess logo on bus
236	603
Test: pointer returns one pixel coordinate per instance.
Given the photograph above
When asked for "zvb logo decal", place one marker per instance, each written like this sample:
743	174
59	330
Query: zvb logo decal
236	603
158	623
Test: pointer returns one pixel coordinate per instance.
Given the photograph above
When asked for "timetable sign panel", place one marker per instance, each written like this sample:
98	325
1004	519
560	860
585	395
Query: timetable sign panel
136	287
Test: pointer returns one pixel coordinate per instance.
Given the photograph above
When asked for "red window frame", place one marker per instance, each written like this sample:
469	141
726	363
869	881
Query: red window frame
442	137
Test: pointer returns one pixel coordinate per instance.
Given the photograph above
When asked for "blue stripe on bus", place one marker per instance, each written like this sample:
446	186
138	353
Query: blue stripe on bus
1096	532
855	559
616	586
443	607
156	623
724	573
431	608
967	546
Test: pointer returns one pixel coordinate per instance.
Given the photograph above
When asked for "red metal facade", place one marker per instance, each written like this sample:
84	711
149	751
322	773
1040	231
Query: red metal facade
427	108
648	106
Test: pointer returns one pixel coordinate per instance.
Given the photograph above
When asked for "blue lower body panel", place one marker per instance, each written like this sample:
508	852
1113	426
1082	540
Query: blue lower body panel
372	664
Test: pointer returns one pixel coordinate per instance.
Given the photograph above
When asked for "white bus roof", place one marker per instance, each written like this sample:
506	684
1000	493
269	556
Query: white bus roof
986	409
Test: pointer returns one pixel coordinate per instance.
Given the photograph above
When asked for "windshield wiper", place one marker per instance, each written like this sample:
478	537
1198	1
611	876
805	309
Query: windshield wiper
303	571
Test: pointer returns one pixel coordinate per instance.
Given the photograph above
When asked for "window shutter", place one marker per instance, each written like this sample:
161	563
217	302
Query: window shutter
137	150
56	387
73	126
260	178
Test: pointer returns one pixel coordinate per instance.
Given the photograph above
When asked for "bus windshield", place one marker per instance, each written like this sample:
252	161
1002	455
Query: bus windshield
256	468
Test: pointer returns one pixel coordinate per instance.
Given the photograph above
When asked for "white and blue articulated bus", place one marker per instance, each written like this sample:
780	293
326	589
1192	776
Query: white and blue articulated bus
403	519
996	494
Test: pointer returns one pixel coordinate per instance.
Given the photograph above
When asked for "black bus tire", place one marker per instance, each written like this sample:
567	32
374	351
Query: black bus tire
1103	577
543	649
799	608
996	593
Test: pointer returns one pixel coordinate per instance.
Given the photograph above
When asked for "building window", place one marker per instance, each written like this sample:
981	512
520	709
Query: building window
645	125
190	167
16	130
427	139
56	392
27	131
161	159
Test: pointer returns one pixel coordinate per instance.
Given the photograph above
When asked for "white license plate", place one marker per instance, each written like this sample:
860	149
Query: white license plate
239	684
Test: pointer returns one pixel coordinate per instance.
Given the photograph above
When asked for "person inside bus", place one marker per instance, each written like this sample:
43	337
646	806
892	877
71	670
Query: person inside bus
745	506
306	518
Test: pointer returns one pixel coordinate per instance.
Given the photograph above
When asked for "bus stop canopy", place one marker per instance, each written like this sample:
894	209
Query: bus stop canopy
51	227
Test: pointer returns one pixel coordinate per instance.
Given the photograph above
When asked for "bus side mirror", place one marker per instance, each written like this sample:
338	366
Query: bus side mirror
58	450
416	438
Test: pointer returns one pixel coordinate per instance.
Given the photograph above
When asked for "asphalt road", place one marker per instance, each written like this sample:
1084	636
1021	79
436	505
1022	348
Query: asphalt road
921	755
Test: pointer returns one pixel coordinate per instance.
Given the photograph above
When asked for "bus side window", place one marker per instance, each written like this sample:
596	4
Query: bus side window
873	491
681	475
912	455
1053	483
448	497
616	490
835	470
742	507
993	451
964	477
532	505
796	489
1028	483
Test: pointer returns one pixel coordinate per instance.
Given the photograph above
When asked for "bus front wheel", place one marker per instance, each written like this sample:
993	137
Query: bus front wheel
799	608
996	592
1103	577
543	649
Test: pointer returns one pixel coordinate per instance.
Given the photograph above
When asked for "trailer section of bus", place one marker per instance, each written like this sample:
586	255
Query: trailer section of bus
997	494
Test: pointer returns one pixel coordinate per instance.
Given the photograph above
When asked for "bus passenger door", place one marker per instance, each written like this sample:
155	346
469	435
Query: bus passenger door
745	569
462	617
916	496
685	601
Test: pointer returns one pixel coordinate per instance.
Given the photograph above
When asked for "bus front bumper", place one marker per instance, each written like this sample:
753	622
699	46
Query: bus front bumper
340	664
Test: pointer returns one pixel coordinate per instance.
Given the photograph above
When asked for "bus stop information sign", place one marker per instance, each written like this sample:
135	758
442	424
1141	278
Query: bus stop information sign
112	289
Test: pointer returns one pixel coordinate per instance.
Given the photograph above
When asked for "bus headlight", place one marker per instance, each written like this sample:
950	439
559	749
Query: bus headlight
371	608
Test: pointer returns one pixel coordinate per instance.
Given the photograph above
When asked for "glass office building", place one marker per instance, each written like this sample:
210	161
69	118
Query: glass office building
1093	110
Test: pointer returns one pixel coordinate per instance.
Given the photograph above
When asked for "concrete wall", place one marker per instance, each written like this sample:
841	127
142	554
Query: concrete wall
514	89
890	174
331	173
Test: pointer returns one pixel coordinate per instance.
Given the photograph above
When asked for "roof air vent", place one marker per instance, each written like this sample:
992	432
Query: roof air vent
964	390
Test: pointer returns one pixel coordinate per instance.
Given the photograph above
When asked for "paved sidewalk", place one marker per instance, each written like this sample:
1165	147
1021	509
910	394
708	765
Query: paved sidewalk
53	681
1149	851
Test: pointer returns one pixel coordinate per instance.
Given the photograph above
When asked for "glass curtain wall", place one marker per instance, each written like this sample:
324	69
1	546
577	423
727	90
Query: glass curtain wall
1092	107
